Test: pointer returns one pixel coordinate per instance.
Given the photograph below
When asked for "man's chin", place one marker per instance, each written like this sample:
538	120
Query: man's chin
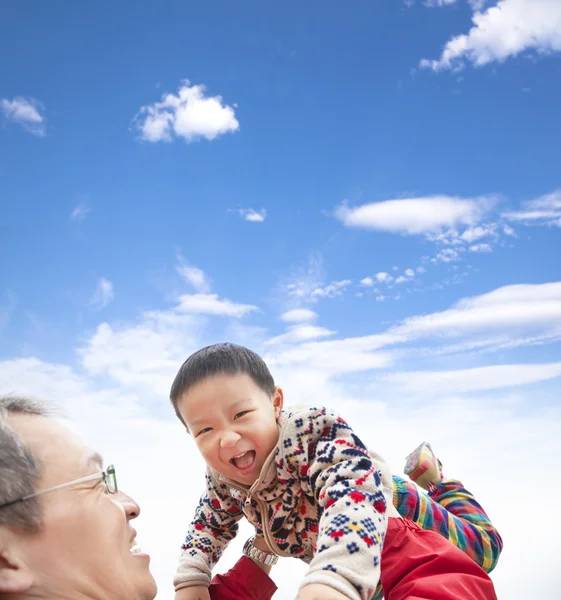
149	589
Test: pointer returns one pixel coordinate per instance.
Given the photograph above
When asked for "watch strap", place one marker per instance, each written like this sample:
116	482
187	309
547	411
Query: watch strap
265	558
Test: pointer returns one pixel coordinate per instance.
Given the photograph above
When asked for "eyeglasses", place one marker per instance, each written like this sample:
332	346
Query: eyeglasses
108	476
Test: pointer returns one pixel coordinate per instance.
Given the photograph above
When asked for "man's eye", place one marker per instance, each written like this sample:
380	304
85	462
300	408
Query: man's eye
241	414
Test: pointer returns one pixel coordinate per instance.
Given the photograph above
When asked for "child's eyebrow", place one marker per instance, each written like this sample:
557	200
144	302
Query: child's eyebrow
242	402
233	407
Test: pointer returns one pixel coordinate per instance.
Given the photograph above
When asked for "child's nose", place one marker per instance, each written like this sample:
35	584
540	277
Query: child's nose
229	439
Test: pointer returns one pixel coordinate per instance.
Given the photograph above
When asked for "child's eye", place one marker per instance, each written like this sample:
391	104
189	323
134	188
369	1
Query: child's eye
241	414
205	430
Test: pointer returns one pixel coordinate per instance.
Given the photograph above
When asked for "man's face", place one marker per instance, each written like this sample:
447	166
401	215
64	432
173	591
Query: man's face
83	548
234	424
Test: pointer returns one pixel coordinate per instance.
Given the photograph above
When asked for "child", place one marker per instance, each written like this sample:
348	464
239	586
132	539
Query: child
303	479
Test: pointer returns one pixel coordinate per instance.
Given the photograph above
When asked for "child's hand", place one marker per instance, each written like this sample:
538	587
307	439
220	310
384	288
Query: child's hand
317	591
197	592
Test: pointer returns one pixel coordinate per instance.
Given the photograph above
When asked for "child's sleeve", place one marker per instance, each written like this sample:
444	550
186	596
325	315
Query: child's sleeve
215	523
336	468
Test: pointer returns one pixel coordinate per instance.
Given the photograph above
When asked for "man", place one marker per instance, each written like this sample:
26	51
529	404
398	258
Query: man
66	530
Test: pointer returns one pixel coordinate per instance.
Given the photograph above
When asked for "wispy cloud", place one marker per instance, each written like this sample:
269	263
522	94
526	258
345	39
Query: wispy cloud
300	333
80	212
103	294
501	32
483	248
189	114
299	315
331	290
8	303
251	215
26	112
474	380
211	304
510	316
194	276
545	210
433	3
446	255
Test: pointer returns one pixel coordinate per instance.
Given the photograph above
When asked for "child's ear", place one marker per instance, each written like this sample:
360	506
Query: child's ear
278	401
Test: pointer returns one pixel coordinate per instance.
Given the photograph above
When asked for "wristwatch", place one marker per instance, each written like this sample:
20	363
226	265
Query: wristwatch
265	558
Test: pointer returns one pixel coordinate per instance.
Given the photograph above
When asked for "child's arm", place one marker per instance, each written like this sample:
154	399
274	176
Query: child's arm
214	525
335	467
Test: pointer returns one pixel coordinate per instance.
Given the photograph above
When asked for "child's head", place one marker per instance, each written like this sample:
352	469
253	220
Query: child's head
226	397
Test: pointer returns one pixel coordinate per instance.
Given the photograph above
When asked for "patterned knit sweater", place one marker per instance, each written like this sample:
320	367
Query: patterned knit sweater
321	497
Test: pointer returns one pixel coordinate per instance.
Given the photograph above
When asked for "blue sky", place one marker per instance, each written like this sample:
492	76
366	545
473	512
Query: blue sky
181	174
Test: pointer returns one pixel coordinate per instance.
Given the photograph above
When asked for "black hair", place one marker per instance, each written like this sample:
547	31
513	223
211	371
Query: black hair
220	359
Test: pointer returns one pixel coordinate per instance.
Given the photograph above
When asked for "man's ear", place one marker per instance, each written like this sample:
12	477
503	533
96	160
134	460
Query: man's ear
278	401
15	577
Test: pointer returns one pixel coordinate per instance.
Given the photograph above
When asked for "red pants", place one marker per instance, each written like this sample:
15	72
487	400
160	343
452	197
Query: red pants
422	565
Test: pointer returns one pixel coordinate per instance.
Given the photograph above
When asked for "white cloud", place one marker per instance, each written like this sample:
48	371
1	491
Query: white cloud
332	290
103	294
367	282
481	248
421	270
433	3
446	255
80	212
475	4
415	216
26	112
409	273
504	31
510	310
253	216
383	277
510	316
475	379
305	279
545	210
189	115
401	279
193	275
300	333
211	304
145	354
475	233
299	315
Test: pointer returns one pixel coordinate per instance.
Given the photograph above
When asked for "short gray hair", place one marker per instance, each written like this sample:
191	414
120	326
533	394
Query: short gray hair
20	469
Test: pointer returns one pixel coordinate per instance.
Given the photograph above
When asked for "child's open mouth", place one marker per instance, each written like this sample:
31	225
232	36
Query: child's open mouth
244	461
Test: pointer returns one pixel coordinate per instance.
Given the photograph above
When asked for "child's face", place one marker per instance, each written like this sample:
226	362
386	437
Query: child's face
234	424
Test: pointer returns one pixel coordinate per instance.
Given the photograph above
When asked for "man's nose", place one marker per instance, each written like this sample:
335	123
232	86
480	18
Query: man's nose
132	509
229	439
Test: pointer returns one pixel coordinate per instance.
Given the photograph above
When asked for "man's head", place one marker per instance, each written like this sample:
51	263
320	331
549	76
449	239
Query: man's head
71	542
226	397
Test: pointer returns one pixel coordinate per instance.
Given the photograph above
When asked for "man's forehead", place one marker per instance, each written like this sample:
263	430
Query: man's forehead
49	439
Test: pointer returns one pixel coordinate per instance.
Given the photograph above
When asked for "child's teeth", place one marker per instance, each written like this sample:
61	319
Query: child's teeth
244	460
136	549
